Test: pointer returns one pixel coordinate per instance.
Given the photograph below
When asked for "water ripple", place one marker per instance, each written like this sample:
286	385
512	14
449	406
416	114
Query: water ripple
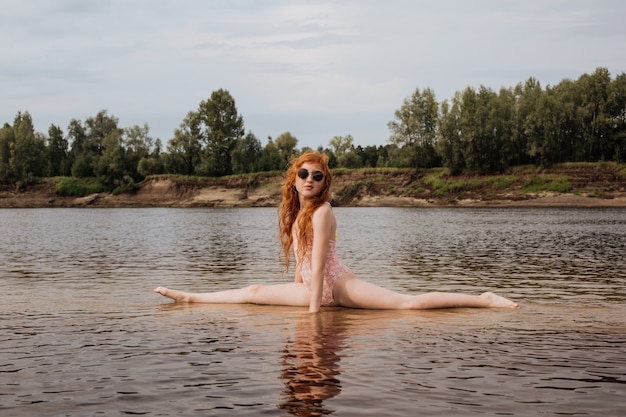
83	335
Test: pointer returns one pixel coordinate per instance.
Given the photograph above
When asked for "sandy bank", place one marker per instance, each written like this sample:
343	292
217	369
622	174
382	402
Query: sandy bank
165	192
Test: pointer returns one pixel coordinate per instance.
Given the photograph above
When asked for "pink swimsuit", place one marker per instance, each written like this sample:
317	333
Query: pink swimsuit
334	270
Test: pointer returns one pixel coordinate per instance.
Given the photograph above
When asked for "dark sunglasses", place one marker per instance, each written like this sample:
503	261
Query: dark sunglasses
304	174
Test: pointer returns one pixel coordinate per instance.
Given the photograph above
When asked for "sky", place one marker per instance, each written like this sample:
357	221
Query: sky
316	69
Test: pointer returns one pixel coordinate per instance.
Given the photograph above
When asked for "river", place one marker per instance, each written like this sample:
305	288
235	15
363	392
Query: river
82	334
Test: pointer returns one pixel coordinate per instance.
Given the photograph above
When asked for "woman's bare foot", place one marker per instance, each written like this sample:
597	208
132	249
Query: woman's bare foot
497	301
178	296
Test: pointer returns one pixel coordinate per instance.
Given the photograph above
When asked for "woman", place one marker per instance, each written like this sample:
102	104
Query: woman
308	225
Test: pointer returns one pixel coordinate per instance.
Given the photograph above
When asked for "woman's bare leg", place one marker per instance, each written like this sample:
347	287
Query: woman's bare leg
356	293
290	294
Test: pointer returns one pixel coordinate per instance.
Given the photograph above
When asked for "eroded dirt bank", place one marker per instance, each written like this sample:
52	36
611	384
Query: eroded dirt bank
582	185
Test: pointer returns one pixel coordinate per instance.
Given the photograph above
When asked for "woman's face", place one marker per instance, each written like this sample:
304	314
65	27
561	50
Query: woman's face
312	184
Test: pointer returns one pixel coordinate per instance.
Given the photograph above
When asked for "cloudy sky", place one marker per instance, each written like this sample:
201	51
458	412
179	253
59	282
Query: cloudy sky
317	69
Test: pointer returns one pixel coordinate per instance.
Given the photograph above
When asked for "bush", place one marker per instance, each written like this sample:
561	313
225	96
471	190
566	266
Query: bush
77	187
125	185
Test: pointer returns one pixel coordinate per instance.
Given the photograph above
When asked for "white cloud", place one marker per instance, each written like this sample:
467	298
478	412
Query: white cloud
316	68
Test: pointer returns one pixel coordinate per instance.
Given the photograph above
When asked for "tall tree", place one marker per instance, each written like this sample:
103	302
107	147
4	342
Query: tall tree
88	142
341	144
98	128
154	163
286	144
481	143
270	157
618	113
343	148
220	126
138	144
548	142
57	153
415	128
450	142
504	122
28	152
246	155
110	168
527	96
184	150
470	134
80	157
368	155
7	139
597	121
565	106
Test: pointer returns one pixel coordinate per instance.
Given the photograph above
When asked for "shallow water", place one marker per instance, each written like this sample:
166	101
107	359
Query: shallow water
82	333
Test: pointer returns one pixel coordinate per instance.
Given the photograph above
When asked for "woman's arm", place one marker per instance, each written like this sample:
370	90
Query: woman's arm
323	220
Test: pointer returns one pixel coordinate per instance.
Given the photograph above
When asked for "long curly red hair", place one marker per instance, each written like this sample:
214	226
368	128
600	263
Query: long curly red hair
290	205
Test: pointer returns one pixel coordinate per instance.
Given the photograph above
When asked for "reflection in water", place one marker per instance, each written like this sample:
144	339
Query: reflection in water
311	364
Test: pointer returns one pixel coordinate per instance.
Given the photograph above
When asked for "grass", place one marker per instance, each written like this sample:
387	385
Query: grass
442	186
536	184
503	182
78	187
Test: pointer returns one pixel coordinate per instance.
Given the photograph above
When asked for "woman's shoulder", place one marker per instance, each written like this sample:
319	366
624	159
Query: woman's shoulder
324	215
324	210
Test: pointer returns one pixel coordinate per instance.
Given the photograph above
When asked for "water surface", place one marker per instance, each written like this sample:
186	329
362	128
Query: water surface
83	335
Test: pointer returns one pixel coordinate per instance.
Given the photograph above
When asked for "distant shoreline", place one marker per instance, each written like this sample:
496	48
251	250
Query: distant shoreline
567	185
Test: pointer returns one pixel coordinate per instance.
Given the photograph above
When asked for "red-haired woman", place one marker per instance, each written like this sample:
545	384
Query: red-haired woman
308	225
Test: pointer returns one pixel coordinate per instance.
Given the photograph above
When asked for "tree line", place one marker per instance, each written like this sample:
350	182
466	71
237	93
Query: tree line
477	130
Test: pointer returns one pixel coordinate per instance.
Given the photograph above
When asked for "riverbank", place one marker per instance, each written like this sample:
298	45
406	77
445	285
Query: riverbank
566	185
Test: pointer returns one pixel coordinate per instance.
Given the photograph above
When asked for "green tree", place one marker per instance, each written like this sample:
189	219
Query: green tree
138	144
97	129
57	153
28	152
220	126
392	156
286	144
481	143
343	149
184	150
547	142
350	160
333	162
597	121
110	168
450	142
567	108
270	157
7	139
618	113
527	98
504	124
415	128
88	142
246	155
469	130
368	155
341	144
153	163
80	155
